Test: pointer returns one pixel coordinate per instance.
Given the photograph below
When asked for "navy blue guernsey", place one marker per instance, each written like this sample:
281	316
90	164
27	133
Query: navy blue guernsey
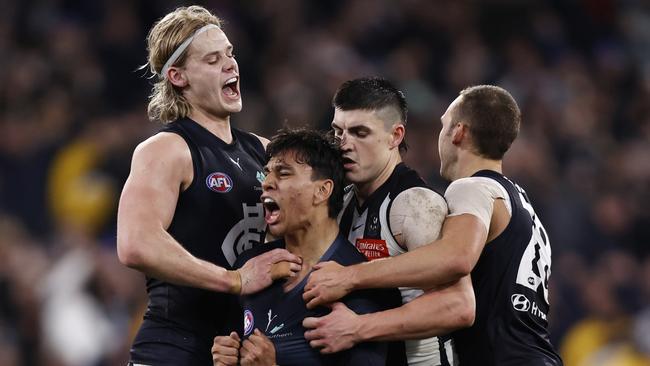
217	217
510	282
279	315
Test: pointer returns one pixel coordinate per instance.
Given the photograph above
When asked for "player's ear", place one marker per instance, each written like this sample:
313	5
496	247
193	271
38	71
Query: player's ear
177	77
323	191
460	131
397	135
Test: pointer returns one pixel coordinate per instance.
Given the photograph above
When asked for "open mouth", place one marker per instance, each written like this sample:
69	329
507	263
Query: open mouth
271	210
348	163
230	88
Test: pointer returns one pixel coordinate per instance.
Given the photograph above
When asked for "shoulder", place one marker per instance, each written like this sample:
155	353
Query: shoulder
416	216
418	198
465	186
162	150
253	144
165	143
407	177
263	140
251	138
475	196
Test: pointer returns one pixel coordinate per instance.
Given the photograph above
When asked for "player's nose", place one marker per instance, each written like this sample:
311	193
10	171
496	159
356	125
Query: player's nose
268	182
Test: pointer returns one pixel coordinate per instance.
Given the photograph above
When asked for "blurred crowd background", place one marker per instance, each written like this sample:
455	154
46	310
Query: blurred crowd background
73	107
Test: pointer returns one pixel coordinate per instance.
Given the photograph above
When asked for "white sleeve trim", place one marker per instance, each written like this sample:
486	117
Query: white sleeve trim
475	196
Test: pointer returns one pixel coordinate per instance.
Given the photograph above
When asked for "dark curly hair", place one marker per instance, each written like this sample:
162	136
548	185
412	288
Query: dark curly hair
318	150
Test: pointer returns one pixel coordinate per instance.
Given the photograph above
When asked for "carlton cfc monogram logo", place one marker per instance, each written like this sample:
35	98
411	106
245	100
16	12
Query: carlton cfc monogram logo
219	182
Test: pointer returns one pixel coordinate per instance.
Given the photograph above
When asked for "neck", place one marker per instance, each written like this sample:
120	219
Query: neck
219	126
364	190
311	243
469	163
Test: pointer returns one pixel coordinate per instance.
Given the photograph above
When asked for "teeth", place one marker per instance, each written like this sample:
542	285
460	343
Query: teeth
268	200
231	80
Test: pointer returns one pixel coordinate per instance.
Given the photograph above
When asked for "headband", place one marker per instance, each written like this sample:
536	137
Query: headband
177	53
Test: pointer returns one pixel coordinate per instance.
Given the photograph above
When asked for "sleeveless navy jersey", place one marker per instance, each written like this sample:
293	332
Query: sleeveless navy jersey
217	217
510	282
279	315
368	227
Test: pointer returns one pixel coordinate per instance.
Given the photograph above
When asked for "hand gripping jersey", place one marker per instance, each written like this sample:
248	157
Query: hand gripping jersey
279	315
368	228
217	217
510	282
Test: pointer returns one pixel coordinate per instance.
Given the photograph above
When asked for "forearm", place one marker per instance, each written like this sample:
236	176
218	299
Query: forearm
146	209
434	313
158	255
436	264
425	267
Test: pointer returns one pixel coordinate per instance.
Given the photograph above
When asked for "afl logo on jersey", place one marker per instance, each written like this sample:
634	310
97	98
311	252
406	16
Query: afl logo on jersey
249	322
219	182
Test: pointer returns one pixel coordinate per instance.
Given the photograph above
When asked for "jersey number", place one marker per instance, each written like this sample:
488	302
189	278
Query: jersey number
535	266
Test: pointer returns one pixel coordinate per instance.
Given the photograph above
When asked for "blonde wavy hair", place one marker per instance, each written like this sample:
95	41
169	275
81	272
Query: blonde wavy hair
166	102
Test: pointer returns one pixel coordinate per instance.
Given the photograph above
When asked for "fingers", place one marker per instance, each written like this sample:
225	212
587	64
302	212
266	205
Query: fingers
311	298
222	353
257	338
293	267
284	269
235	336
225	350
257	350
225	362
224	342
277	255
310	322
318	343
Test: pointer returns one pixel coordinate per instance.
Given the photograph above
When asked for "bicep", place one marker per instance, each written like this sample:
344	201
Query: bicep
151	191
416	217
146	204
464	236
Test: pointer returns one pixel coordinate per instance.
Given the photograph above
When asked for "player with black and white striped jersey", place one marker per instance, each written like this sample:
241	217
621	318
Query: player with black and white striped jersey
492	233
389	210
